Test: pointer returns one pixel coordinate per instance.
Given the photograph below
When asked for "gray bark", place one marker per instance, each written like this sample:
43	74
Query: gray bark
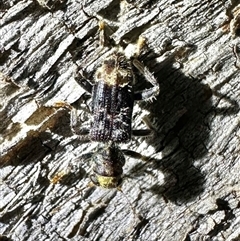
189	187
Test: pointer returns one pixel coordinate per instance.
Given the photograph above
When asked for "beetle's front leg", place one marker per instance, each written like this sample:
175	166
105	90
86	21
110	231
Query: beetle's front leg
82	81
150	93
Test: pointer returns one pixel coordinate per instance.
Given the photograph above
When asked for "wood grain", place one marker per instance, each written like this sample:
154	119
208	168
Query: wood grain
189	187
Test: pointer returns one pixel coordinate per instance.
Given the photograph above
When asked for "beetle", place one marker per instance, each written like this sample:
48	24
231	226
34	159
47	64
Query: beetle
113	95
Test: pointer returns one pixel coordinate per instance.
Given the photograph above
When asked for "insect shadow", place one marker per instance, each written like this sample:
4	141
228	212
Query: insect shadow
182	118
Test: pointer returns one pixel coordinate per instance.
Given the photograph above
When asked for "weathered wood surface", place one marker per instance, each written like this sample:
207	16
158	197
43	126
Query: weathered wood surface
189	190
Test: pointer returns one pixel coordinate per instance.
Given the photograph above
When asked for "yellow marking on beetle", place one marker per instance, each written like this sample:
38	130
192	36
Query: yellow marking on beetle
113	75
107	182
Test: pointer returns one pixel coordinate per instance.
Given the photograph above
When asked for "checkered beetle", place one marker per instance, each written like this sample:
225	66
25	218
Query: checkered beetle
113	97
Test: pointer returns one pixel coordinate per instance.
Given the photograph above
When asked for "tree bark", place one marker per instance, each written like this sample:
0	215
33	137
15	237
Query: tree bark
189	187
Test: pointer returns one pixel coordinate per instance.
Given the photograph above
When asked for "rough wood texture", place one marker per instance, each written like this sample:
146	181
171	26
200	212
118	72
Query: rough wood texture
188	190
